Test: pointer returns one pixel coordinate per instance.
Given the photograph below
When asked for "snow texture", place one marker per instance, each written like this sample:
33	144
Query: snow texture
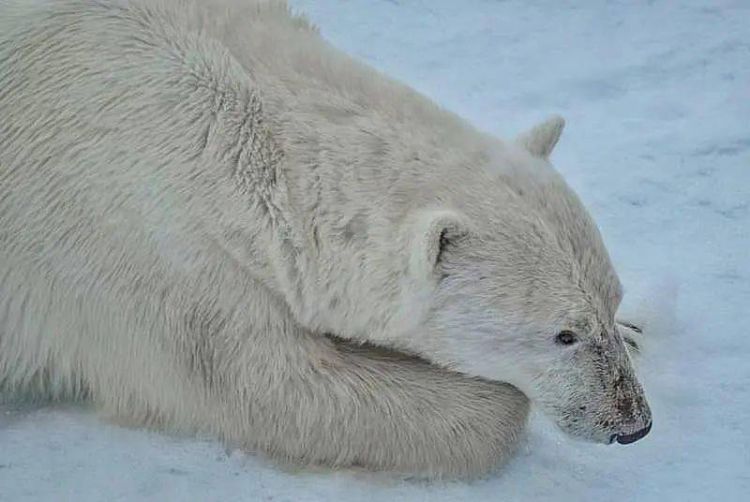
657	98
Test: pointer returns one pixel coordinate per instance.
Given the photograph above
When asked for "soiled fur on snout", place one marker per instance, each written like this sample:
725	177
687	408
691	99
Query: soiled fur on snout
211	221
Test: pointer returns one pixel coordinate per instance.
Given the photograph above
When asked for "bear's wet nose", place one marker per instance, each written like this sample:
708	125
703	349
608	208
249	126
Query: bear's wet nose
635	436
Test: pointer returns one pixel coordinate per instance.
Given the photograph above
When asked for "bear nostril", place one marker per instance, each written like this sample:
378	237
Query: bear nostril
632	438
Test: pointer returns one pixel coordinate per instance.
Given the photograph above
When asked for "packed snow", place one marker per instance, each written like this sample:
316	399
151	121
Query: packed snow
657	99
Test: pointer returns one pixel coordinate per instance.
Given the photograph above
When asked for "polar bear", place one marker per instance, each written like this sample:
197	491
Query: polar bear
213	222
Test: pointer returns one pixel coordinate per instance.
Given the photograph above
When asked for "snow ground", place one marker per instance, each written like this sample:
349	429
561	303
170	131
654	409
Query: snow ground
657	97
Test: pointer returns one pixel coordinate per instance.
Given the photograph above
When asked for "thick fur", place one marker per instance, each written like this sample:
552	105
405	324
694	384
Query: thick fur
193	195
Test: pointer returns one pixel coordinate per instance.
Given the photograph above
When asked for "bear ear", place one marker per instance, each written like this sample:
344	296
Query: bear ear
433	232
542	138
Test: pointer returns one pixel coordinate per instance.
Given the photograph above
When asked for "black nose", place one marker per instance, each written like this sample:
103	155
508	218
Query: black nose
632	438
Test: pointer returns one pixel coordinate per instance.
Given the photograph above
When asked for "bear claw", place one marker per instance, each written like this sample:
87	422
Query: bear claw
630	332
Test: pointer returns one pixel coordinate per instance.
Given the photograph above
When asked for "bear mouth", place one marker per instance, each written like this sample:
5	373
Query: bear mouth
630	438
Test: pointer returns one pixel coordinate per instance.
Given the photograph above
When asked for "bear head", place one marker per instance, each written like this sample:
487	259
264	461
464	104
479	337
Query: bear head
522	290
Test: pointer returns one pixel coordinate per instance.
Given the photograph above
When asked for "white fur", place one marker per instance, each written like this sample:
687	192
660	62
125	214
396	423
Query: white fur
194	195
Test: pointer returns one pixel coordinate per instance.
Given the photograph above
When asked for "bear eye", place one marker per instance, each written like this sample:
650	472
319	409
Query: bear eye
566	338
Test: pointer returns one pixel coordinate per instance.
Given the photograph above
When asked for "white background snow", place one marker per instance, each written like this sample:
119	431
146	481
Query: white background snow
657	98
